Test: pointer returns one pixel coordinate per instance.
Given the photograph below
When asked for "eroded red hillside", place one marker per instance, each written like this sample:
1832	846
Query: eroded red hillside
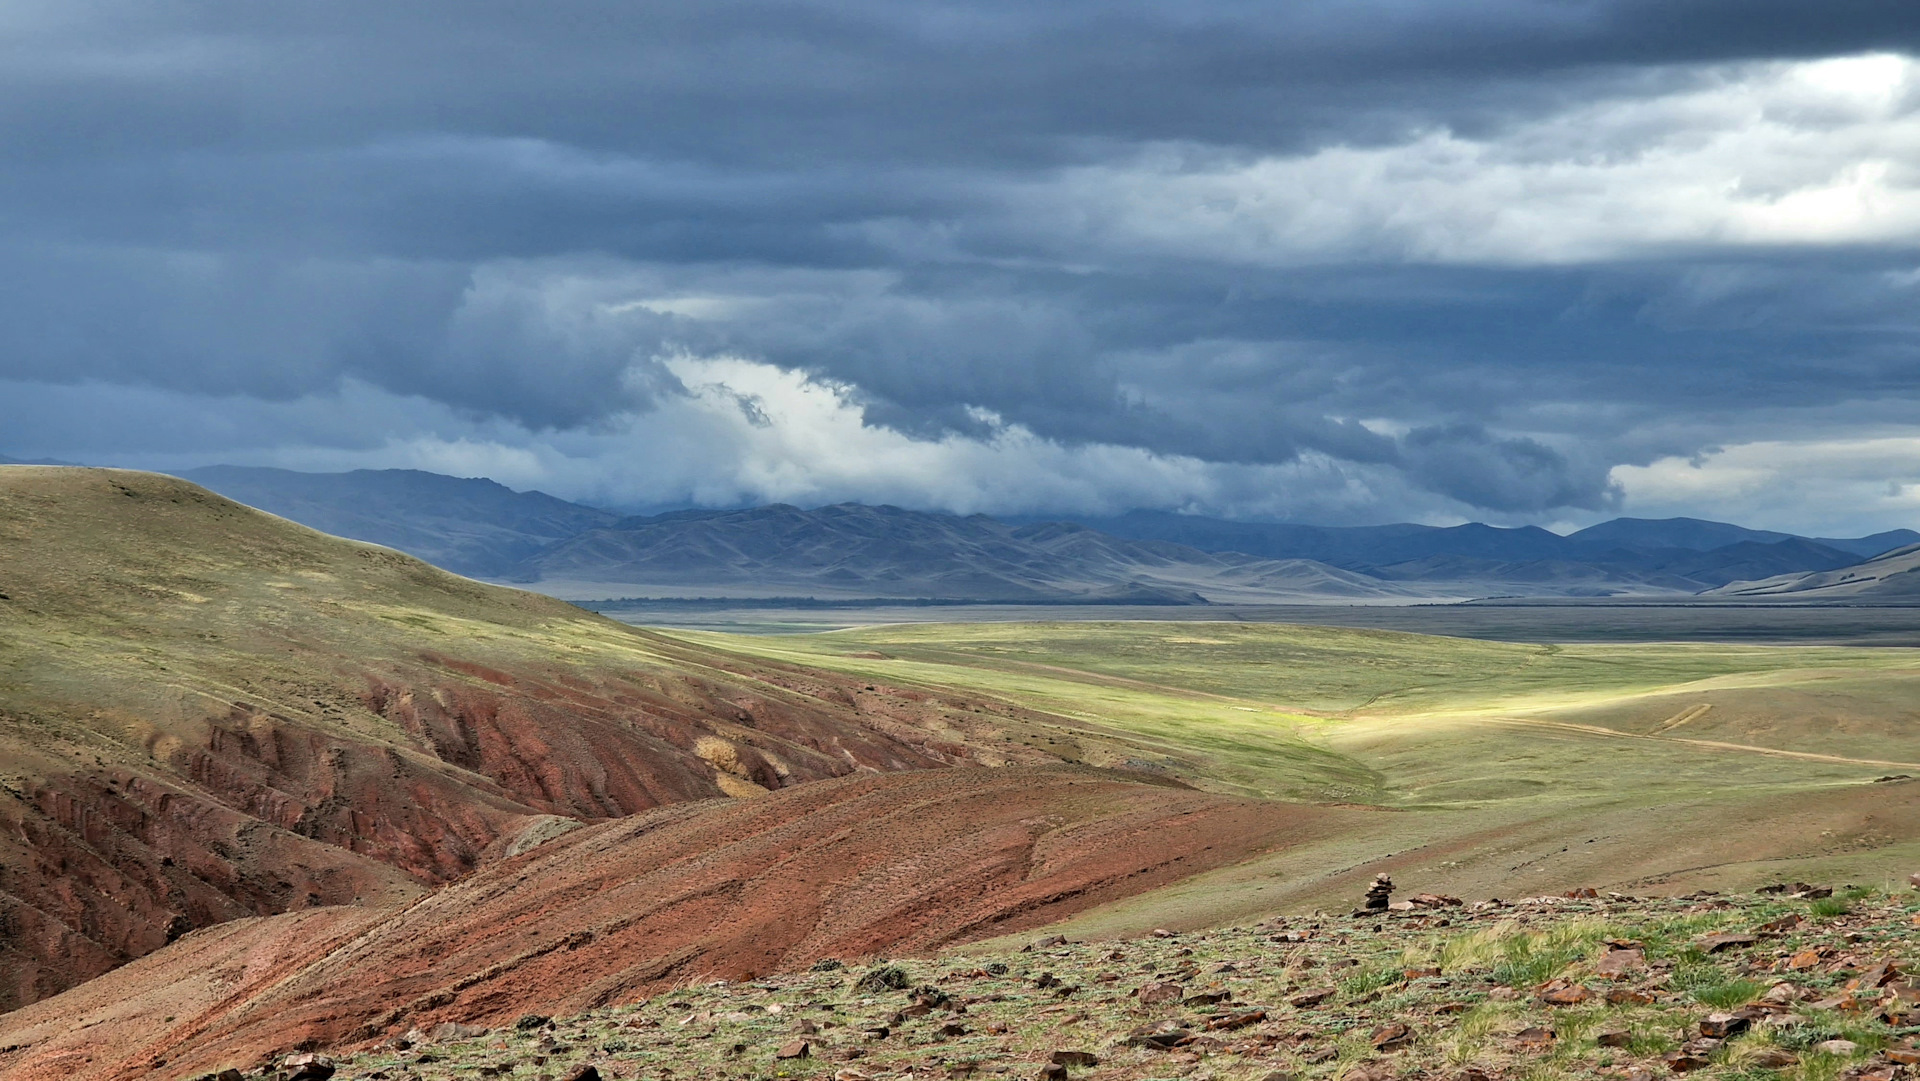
208	712
891	864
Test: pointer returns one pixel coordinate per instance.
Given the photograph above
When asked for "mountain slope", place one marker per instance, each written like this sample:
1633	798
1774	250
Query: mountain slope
209	712
469	526
852	550
1892	576
610	913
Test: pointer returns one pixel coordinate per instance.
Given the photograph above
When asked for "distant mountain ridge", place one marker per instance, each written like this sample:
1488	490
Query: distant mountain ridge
855	550
483	529
470	526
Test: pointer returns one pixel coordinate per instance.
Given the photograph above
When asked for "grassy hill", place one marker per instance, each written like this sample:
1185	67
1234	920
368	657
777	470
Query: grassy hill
209	712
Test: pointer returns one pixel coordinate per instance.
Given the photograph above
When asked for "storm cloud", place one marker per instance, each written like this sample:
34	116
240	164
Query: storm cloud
1514	261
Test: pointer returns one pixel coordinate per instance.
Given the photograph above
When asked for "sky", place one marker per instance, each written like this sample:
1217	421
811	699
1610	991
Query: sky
1514	261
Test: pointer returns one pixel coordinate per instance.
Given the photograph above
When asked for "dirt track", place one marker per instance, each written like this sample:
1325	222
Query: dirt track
875	864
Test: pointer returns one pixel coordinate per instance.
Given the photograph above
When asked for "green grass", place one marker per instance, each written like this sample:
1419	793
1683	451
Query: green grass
1519	767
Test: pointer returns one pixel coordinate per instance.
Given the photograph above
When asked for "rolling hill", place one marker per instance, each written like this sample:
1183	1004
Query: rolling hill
1892	577
208	712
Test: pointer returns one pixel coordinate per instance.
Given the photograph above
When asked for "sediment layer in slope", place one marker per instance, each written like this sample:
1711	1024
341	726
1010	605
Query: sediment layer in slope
207	712
898	863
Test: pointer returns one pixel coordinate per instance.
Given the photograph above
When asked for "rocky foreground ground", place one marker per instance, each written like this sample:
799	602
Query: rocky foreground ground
1793	982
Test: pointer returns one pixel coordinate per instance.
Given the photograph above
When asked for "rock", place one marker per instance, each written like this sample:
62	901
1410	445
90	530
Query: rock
1211	996
1400	906
1619	962
1785	923
229	1074
1563	993
587	1072
1502	994
1160	1035
1309	999
448	1030
1074	1058
1683	1061
1241	1019
1613	1037
532	1021
1719	1026
1161	932
1904	1056
1718	943
1472	1073
1836	1047
805	1027
1053	1071
1627	996
308	1068
1379	894
952	1029
883	978
1392	1036
1535	1038
1914	880
1419	973
1367	1071
794	1049
1049	942
1771	1058
1046	980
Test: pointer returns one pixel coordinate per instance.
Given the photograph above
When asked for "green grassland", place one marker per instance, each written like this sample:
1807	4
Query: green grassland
1497	767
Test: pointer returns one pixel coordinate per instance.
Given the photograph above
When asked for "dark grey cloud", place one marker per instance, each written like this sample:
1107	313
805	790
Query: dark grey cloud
1133	224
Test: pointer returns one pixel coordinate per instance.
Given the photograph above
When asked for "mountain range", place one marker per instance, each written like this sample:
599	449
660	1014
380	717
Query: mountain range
483	529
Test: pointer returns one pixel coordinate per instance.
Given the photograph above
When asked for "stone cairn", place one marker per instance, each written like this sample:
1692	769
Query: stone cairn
1379	893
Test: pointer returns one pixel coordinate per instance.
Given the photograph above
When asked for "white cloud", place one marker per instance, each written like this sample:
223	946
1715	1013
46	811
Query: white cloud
1823	488
1782	153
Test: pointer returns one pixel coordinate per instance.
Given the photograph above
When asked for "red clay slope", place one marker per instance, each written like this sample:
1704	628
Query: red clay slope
207	712
840	868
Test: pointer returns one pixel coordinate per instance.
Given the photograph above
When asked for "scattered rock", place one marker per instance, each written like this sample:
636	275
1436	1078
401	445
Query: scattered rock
1684	1061
1309	999
1534	1038
1391	1037
1048	942
1803	960
448	1030
1718	943
308	1067
1074	1058
1563	993
1836	1047
1771	1058
1379	895
883	978
1785	923
1627	996
1053	1071
1620	962
1613	1037
1160	1035
794	1049
1719	1026
1231	1021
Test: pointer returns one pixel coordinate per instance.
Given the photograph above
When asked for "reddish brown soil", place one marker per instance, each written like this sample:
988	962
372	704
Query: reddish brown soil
892	864
207	712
